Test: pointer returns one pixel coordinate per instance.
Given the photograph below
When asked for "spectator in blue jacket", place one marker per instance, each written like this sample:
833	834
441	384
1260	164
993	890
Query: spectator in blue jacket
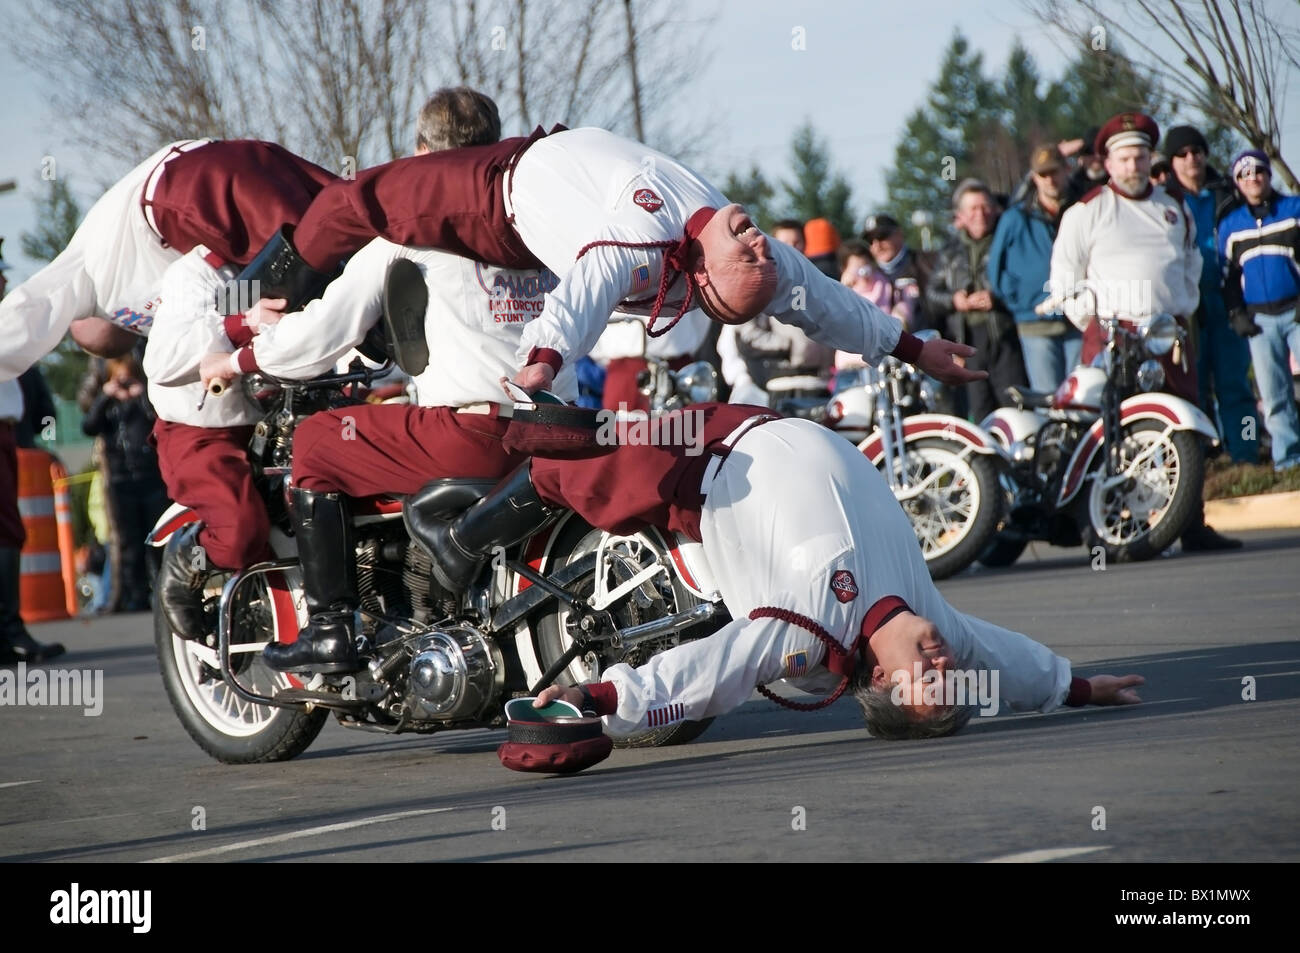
1222	358
1019	264
1257	244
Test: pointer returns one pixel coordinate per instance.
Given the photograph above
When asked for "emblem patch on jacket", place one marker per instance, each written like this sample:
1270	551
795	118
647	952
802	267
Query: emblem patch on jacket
1171	216
796	664
842	584
647	199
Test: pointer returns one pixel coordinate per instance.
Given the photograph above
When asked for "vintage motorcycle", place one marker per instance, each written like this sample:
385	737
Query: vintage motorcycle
1106	460
942	469
561	606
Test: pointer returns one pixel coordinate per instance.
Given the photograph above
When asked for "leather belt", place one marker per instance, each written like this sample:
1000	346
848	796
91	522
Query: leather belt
721	453
487	407
151	184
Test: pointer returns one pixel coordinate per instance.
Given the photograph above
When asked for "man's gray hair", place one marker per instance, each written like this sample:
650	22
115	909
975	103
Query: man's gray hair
457	116
890	721
970	185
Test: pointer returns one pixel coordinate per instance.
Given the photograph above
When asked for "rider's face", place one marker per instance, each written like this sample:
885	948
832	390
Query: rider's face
905	650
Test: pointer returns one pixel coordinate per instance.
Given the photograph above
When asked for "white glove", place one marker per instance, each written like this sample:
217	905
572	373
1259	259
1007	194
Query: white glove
745	391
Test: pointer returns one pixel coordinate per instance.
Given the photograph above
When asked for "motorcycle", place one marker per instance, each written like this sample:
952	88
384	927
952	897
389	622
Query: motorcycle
1105	461
942	469
561	606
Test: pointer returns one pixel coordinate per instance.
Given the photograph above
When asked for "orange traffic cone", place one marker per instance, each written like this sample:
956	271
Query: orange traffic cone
44	594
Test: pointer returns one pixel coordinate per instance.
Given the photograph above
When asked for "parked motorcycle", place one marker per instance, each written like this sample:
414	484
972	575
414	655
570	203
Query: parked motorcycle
1105	461
942	469
562	606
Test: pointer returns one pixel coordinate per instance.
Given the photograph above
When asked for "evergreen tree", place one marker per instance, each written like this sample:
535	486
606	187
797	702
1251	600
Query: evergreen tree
814	191
1098	84
57	217
936	149
754	192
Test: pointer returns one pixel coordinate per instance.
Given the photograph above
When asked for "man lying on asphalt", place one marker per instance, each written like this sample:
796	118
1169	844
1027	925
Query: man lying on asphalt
818	566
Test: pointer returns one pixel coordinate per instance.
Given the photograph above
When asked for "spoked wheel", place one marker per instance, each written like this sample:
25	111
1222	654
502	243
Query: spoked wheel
229	728
553	632
1142	514
955	512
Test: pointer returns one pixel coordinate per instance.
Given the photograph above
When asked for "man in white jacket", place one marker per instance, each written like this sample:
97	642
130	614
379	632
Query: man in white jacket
825	583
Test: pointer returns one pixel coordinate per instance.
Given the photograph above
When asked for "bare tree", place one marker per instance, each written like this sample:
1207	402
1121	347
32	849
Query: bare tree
1233	56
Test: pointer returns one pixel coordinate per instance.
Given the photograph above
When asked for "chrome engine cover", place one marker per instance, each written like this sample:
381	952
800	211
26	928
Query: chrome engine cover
457	674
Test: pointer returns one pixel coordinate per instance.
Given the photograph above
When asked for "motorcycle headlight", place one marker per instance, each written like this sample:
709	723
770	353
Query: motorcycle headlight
1151	376
1160	335
698	381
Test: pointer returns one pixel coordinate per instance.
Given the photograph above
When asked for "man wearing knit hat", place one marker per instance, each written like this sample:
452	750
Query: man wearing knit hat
1134	245
1222	358
1257	244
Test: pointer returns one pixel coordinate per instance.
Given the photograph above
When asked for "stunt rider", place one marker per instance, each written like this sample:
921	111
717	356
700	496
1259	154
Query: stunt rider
474	320
229	196
822	575
1135	246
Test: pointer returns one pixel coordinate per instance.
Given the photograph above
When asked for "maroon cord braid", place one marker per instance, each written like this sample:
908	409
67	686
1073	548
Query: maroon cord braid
664	280
832	645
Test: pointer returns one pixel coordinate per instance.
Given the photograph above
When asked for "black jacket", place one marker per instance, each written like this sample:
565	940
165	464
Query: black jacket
952	273
125	426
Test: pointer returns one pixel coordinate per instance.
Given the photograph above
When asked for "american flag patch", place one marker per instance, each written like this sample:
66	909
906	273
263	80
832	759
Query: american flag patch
640	279
796	664
656	717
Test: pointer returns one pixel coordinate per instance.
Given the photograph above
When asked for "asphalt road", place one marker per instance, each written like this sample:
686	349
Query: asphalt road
1195	773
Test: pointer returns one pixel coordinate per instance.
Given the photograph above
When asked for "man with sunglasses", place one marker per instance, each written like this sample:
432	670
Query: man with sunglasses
1222	358
1257	244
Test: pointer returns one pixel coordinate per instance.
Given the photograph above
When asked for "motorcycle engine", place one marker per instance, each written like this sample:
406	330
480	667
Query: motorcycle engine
455	675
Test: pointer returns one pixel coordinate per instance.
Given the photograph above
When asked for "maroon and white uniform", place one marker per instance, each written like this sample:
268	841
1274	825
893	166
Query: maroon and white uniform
230	196
476	316
610	216
795	522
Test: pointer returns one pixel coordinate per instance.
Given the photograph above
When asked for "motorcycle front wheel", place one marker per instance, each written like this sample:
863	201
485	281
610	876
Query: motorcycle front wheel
553	630
1143	514
227	727
956	513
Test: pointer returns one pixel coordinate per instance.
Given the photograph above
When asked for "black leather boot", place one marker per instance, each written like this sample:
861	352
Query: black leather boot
322	525
509	513
1200	538
181	576
16	643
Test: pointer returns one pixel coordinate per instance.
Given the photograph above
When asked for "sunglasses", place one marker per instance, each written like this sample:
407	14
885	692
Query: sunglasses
1189	151
1255	173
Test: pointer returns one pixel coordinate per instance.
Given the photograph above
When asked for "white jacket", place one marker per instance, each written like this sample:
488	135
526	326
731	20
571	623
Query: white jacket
1138	257
777	540
476	316
186	327
584	185
111	269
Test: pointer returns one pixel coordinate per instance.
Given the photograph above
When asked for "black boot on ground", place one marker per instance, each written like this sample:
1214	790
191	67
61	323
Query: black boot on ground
322	525
16	643
181	576
509	513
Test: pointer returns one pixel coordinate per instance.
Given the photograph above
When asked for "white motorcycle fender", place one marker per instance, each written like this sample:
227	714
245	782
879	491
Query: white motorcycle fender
933	425
1173	412
1010	426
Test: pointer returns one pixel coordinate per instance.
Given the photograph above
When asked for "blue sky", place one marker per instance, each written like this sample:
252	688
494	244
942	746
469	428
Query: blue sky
866	65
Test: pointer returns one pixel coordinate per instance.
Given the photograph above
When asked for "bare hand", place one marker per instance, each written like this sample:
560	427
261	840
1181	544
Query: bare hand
111	389
215	367
563	693
939	360
535	377
1115	690
960	301
266	312
980	301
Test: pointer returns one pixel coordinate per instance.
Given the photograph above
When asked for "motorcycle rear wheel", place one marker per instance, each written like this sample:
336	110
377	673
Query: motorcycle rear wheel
227	727
1167	485
551	636
955	519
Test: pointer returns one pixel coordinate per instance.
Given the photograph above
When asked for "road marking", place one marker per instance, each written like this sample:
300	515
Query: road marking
14	784
1234	678
295	835
1042	856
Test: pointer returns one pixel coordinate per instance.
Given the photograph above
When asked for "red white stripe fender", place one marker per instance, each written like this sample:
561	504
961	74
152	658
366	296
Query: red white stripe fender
173	518
1167	409
932	425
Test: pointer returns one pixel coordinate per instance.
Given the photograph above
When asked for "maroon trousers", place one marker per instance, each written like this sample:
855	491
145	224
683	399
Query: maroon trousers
644	482
450	200
206	469
1179	381
12	534
232	196
374	449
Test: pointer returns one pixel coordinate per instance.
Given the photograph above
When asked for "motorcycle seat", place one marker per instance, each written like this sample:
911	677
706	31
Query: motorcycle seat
441	498
1023	397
